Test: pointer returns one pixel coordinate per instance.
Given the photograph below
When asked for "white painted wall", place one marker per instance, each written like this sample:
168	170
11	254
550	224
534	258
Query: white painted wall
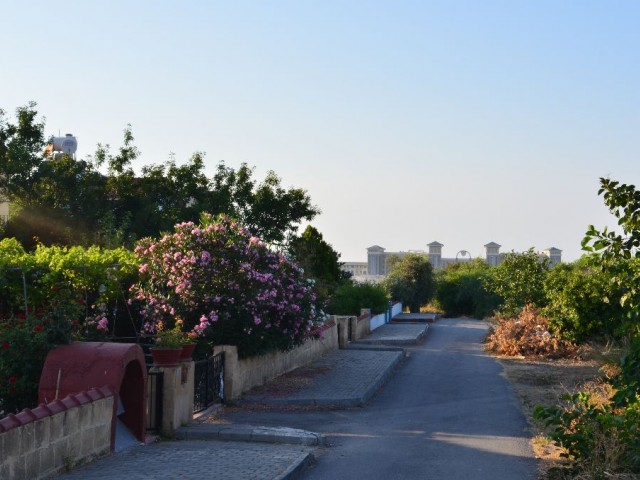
383	318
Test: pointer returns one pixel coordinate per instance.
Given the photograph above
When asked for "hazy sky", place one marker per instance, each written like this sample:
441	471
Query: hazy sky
463	122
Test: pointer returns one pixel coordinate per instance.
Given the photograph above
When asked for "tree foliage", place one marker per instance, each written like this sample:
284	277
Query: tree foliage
102	200
319	261
618	254
582	302
50	296
411	281
350	298
461	289
519	281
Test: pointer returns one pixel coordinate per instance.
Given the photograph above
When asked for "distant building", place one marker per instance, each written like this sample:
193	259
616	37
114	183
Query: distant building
356	269
376	266
554	255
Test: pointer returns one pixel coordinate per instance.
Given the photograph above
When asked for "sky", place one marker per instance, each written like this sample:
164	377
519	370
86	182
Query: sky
464	122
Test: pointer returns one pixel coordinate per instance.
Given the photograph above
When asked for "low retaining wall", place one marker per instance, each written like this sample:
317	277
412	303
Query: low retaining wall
386	317
54	437
378	320
362	326
240	375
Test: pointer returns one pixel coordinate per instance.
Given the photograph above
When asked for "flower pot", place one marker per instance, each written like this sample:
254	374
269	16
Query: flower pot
187	351
166	357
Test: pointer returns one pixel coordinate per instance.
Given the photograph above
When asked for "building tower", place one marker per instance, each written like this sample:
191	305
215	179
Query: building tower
376	261
492	253
435	254
554	254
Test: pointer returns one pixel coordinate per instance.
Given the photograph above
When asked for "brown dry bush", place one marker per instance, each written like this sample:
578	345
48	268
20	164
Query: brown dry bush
527	335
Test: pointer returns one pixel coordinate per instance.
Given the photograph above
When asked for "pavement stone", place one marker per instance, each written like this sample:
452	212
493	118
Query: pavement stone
197	460
344	378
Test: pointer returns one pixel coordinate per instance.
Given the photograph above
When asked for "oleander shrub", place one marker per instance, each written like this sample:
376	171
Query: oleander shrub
226	285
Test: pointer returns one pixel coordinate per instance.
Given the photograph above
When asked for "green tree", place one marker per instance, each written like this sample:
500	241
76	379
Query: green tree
21	144
350	298
582	301
269	211
461	289
411	281
102	200
519	281
319	261
616	253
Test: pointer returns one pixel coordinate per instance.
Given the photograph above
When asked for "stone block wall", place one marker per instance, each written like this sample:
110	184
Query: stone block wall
240	375
177	396
56	436
362	325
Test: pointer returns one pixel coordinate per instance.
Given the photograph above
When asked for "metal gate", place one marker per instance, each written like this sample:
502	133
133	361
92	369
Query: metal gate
208	382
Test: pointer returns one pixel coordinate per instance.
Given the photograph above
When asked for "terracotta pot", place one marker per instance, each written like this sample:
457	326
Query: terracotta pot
166	357
187	351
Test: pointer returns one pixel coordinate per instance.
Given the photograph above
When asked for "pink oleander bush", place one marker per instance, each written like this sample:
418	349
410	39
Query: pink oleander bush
226	285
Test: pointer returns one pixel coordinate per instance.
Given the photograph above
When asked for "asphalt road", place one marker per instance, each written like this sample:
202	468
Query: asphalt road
447	413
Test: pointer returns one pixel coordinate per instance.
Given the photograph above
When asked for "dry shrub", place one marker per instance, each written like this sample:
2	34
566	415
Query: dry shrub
527	335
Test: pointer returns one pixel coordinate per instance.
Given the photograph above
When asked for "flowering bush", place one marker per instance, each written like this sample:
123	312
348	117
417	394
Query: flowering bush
226	285
48	297
24	344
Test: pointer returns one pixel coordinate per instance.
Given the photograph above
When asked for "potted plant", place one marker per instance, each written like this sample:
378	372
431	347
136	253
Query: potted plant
168	345
188	341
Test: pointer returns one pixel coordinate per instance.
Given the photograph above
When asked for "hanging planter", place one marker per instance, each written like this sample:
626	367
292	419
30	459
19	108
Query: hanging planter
166	357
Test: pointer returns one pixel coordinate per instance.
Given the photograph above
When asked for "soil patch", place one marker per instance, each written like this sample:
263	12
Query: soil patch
541	382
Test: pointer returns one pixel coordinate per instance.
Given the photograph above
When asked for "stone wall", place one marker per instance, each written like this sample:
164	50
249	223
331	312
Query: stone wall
240	375
56	436
177	396
362	325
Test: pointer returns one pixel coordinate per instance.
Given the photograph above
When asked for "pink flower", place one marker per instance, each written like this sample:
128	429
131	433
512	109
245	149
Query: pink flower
103	324
257	321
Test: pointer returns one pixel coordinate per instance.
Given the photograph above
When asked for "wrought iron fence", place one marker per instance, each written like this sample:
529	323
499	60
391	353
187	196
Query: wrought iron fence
208	382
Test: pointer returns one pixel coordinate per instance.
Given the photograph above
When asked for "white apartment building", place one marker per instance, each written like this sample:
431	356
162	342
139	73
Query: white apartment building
376	266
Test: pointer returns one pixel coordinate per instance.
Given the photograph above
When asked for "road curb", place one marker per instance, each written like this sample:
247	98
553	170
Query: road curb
250	433
373	389
396	341
296	467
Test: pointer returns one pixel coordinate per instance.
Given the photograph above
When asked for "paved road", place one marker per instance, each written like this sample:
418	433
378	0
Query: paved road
445	414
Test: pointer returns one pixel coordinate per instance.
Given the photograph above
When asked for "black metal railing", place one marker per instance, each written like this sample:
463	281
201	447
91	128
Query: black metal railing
155	384
208	382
